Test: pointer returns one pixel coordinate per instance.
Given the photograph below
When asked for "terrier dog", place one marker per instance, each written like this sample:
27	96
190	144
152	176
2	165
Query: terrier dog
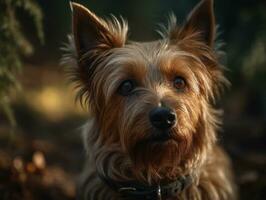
153	124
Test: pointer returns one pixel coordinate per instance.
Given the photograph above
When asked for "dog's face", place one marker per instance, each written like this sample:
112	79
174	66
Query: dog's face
153	99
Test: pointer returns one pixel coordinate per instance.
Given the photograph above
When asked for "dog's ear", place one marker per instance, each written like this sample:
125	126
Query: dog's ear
93	37
93	33
201	19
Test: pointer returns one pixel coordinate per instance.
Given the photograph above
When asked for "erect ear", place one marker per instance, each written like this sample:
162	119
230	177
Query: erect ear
202	20
93	33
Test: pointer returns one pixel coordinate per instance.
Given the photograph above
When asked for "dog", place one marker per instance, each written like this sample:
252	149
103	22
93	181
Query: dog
152	131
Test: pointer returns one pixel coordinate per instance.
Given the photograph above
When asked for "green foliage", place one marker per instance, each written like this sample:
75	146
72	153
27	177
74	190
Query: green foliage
14	45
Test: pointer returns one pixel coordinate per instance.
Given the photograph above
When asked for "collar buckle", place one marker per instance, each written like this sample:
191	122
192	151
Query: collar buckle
159	192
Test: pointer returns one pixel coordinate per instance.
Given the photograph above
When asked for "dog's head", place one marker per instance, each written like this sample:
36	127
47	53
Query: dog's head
153	99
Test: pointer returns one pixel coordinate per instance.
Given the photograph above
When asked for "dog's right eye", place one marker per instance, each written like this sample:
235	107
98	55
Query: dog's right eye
126	87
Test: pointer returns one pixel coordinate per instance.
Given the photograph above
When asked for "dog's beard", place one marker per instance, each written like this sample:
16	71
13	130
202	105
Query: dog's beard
160	155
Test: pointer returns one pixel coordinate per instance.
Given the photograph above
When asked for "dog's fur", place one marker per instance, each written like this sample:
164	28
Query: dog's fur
118	131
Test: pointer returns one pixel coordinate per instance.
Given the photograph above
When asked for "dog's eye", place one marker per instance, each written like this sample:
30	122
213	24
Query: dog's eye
126	87
179	83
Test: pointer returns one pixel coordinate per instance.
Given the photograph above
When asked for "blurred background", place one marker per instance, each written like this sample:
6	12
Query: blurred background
41	151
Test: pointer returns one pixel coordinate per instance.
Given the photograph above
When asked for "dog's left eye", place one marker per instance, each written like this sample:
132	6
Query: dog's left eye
179	83
126	87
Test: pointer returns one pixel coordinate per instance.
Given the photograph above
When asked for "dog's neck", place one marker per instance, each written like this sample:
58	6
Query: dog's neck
111	162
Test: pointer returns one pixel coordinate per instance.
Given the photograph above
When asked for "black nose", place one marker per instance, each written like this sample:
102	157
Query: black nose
162	118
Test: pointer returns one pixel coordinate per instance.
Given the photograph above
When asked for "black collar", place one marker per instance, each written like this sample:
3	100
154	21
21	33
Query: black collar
132	190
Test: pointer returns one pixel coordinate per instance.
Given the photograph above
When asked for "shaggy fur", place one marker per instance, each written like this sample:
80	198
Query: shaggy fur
117	134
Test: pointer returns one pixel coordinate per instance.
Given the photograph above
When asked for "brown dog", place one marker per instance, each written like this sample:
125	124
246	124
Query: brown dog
152	130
